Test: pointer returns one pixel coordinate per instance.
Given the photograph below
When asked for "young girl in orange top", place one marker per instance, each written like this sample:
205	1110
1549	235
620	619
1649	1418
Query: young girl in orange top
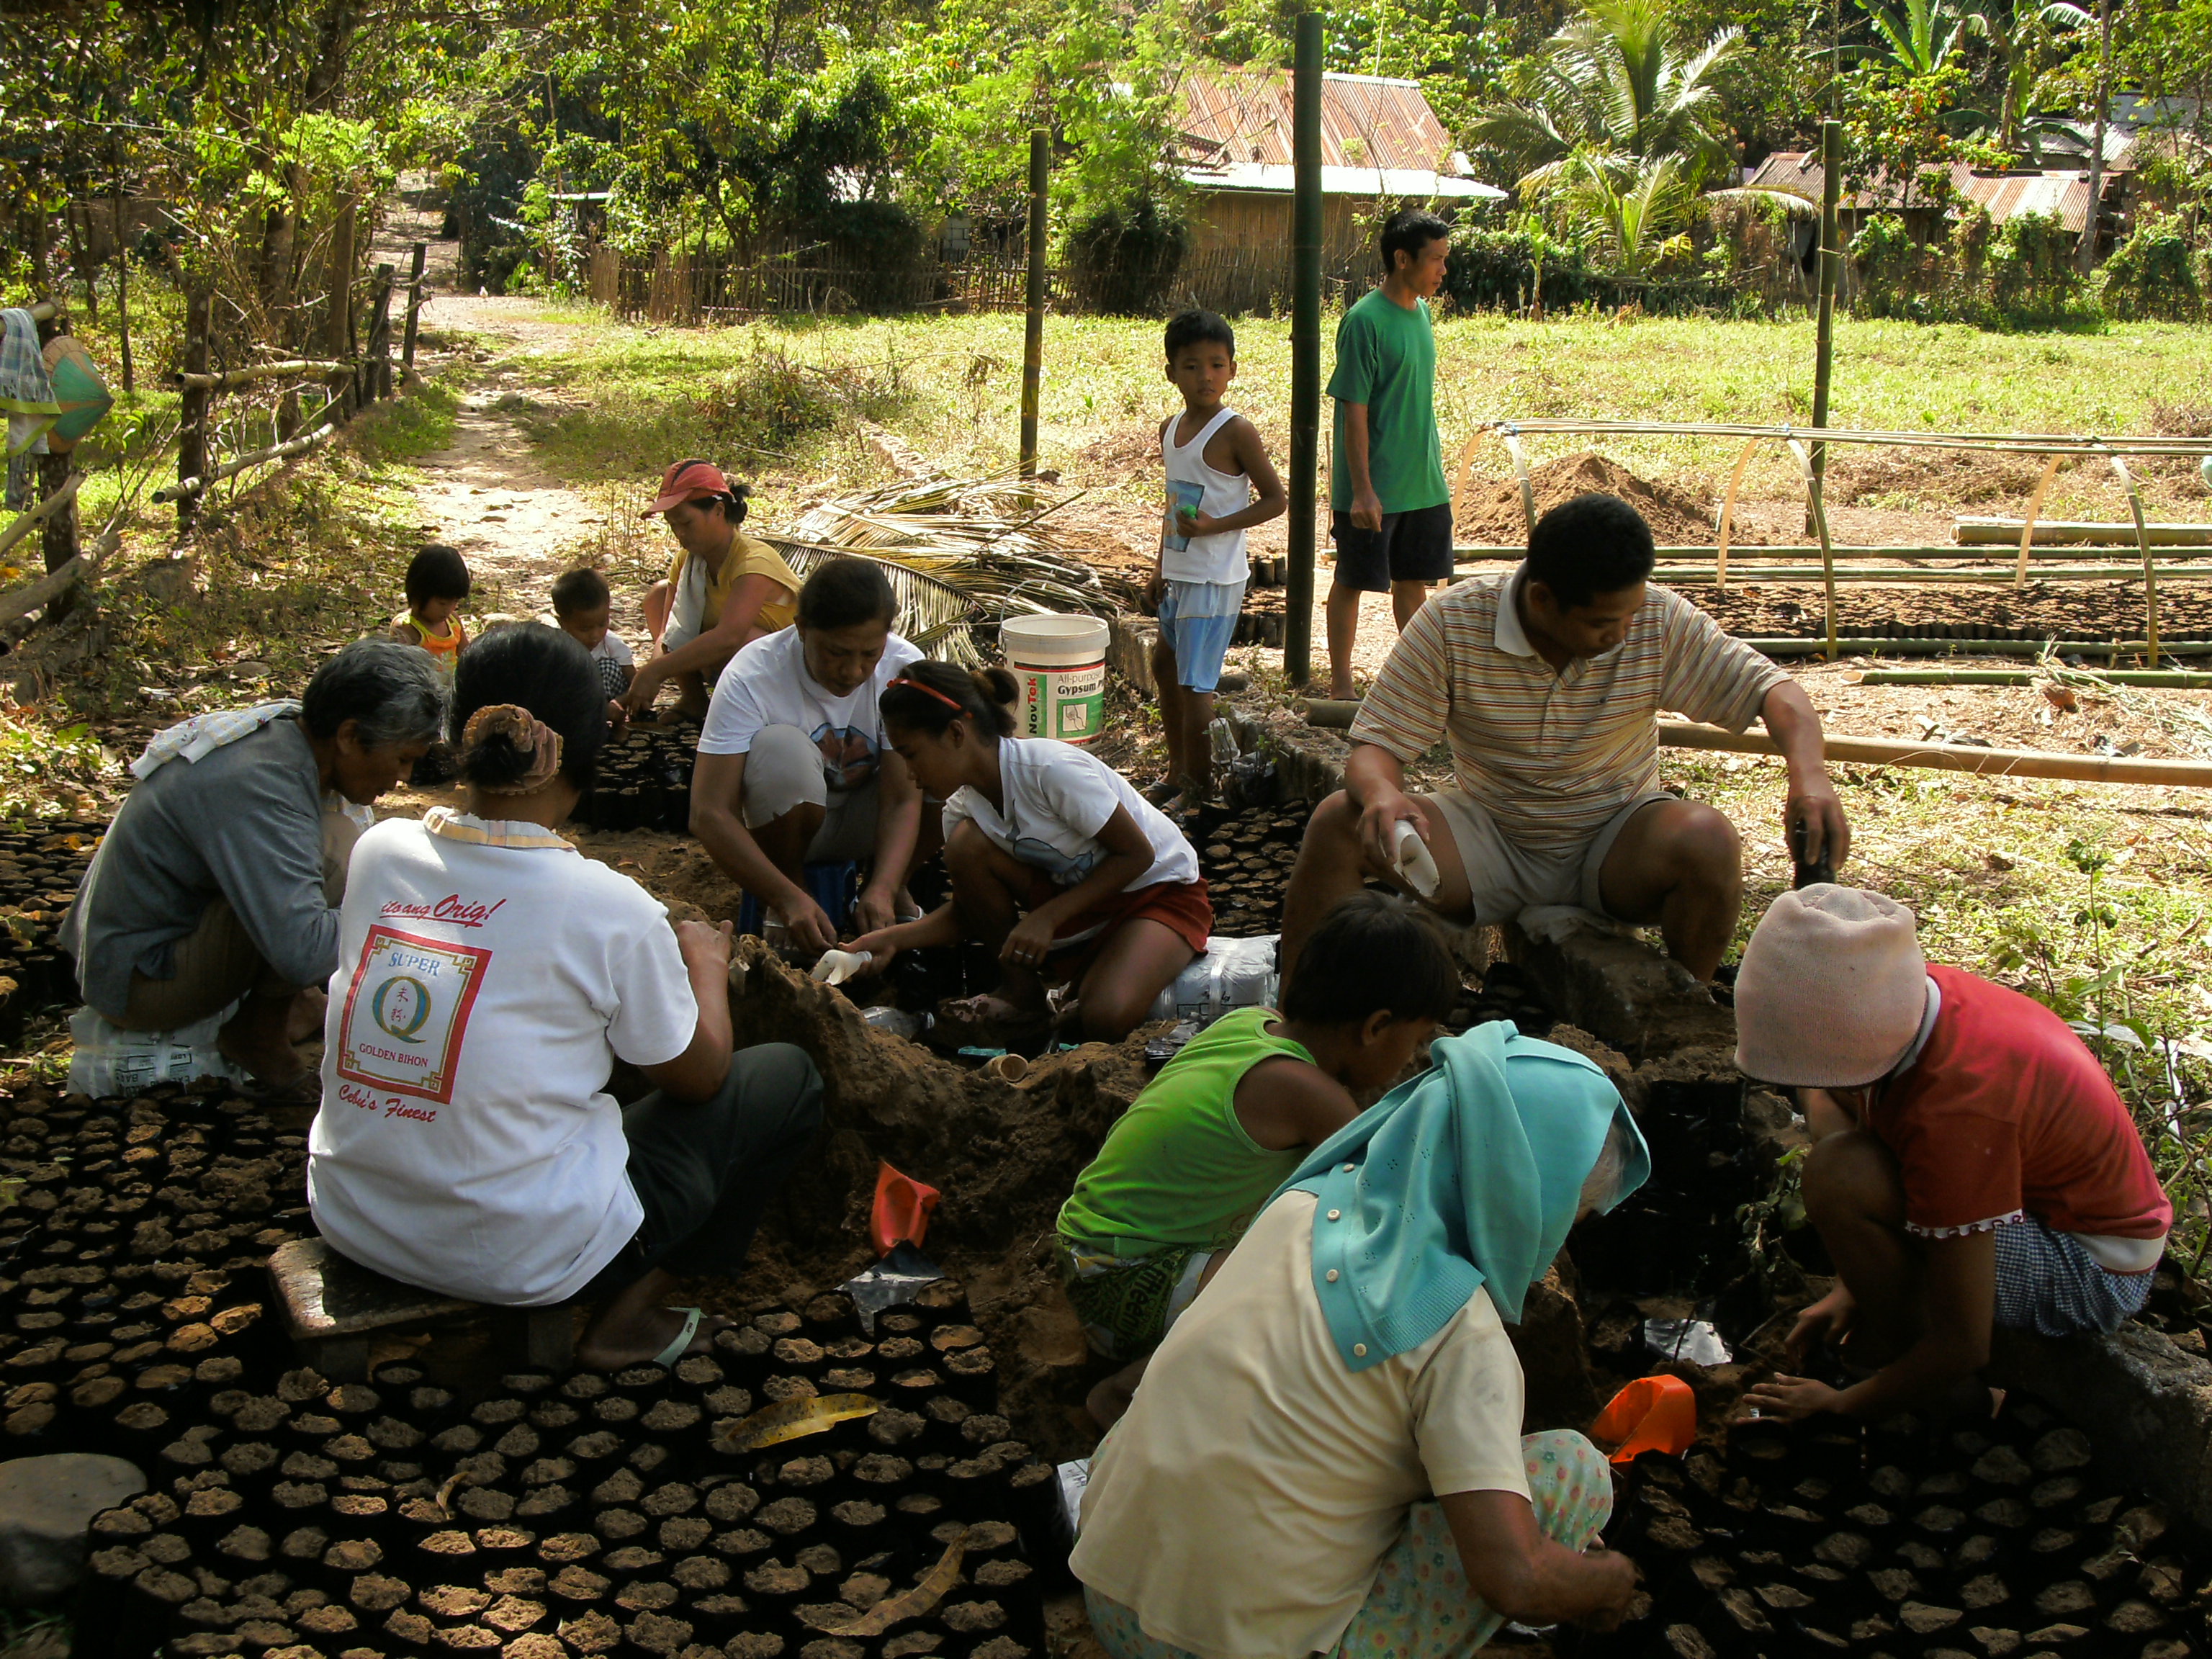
437	586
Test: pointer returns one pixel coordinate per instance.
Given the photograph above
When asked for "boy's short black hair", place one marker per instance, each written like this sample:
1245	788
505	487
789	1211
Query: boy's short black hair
1408	231
1596	544
1188	328
1374	953
436	573
579	590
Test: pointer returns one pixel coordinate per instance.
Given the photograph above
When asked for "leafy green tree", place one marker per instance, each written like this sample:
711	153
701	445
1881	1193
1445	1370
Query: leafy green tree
1616	80
1916	41
1630	208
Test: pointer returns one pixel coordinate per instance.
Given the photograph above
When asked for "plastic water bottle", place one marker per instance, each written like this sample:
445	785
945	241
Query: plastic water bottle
1224	739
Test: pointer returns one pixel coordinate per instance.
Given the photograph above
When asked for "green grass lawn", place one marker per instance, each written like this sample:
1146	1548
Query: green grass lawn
951	386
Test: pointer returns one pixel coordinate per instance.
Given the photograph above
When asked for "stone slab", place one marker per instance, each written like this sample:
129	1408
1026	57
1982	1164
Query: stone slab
325	1295
46	1506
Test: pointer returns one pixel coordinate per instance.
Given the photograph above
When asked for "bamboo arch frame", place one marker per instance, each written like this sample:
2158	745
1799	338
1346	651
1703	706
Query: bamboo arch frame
2056	447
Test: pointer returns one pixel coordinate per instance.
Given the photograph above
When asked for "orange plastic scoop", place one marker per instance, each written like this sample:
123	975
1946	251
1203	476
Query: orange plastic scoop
1652	1414
902	1211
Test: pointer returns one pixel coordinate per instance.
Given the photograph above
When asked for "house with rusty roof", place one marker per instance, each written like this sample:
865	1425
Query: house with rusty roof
1381	145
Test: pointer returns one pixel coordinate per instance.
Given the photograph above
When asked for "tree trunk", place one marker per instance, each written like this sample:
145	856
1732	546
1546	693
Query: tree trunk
2092	218
337	317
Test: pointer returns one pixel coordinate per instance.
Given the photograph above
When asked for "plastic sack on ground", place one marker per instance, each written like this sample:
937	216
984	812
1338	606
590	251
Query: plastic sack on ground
110	1060
1234	973
1652	1414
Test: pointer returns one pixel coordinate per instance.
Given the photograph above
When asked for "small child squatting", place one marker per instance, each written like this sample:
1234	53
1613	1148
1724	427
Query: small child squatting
582	605
1056	862
437	588
1207	1143
1215	463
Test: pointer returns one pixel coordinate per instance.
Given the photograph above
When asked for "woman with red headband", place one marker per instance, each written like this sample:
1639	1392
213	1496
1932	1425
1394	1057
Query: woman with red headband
1056	861
724	589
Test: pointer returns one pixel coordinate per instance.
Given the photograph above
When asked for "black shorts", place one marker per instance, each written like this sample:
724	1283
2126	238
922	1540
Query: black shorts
1411	547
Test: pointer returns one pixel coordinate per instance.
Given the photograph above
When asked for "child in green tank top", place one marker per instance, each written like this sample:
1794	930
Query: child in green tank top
1184	1170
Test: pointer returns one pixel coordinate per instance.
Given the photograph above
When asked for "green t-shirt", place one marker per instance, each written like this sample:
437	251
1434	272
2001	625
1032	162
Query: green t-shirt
1178	1167
1386	358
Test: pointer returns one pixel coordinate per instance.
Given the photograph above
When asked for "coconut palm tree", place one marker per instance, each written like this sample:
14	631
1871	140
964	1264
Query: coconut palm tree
1631	208
2018	33
1917	41
1614	80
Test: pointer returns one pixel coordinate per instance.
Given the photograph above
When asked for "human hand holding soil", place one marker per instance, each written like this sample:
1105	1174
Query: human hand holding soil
1825	1322
1792	1397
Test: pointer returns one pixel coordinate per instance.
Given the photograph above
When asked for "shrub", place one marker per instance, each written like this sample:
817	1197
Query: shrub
1124	258
2152	274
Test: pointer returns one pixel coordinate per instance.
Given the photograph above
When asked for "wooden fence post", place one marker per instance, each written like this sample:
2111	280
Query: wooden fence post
414	307
58	536
1306	234
192	433
1033	329
378	365
123	290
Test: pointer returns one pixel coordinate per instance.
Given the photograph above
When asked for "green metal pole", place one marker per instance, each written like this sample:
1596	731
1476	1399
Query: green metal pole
1305	349
1033	333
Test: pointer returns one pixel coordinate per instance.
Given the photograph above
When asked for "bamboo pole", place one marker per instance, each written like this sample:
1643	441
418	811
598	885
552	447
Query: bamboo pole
2149	570
2171	679
52	586
2024	443
1917	646
1911	575
1728	511
1305	346
291	368
2054	532
1033	326
1951	757
26	522
1823	337
186	489
44	311
192	432
1955	556
2028	524
1819	509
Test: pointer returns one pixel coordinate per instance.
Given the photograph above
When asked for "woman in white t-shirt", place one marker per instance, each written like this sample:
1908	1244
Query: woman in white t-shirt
793	766
488	977
1056	861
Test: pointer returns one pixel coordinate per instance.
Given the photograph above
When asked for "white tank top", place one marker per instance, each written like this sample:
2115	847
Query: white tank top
1191	482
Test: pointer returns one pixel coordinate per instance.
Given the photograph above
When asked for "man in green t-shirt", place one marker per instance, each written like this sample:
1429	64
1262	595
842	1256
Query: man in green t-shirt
1392	509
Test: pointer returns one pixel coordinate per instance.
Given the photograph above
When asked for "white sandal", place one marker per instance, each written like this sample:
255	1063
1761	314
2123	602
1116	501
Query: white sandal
675	1351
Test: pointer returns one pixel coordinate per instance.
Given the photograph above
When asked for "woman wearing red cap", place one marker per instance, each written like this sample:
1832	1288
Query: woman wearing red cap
724	589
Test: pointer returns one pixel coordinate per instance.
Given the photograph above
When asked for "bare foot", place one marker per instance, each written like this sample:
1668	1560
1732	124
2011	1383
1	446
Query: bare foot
307	1011
611	1346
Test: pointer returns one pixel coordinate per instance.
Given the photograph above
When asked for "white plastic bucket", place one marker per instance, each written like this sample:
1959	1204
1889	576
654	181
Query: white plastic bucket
1061	662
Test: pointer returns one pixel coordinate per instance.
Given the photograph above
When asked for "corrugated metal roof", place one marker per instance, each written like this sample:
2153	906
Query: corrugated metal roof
1231	116
1277	179
2005	194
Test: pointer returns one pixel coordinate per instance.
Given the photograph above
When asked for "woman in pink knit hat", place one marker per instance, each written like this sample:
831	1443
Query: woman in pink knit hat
1972	1167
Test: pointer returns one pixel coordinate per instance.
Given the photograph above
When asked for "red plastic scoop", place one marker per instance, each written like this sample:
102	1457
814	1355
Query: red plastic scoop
1652	1414
902	1211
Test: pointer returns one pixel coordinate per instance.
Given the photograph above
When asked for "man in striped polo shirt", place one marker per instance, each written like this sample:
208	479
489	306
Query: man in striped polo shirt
1548	682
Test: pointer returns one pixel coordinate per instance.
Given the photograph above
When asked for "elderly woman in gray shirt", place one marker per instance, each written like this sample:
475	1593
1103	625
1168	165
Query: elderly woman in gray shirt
219	881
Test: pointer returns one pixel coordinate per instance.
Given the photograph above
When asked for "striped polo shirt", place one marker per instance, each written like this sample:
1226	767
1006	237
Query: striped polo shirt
1552	757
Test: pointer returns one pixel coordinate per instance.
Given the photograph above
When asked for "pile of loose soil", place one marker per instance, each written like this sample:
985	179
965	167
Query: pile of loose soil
2040	611
1491	516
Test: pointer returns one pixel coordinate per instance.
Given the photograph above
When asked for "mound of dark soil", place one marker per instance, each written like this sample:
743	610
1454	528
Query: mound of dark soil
1491	515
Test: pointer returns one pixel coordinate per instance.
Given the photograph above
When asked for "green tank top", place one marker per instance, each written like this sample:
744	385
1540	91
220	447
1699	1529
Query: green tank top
1178	1167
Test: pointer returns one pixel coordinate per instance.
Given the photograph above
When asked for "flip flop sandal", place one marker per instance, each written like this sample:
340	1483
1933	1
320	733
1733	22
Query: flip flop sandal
676	1349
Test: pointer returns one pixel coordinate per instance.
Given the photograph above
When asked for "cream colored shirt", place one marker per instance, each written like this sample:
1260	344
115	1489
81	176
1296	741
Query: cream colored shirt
1241	1507
1553	754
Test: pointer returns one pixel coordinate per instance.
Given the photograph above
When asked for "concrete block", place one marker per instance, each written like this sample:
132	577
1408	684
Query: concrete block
1619	989
2147	1404
1129	651
46	1506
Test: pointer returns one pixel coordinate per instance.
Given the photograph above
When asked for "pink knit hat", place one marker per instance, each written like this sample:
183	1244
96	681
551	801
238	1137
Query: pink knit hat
1832	990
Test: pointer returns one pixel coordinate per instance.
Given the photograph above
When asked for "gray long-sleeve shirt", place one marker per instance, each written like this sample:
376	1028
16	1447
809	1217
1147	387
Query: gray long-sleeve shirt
242	824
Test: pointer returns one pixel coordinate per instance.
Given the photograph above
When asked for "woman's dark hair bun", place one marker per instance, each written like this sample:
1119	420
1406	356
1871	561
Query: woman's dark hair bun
928	696
997	686
497	756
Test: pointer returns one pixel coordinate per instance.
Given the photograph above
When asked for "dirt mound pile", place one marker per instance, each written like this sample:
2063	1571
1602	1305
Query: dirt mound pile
1491	515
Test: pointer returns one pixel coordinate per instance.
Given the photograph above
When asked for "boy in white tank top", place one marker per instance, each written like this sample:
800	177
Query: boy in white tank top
1216	465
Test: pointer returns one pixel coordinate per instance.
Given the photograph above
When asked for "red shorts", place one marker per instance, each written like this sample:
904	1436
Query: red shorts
1181	907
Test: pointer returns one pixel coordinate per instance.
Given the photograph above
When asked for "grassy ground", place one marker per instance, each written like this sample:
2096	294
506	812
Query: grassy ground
951	386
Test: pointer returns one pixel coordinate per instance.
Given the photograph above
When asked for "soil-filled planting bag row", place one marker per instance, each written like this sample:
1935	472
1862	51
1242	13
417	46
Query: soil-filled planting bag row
644	781
1820	1538
1245	858
41	869
581	1513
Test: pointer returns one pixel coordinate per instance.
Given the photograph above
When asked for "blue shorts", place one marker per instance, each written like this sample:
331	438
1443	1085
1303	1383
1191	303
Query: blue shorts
2047	1282
1197	621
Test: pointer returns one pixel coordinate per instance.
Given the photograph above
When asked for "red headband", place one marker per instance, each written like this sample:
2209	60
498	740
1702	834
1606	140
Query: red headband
952	703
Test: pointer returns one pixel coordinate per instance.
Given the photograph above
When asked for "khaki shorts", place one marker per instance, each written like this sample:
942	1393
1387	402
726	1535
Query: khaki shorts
1506	879
783	770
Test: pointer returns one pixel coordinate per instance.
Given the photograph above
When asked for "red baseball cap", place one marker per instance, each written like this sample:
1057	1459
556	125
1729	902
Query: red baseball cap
687	481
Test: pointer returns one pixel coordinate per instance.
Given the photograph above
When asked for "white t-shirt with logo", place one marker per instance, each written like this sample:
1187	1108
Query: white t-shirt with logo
1058	798
489	976
767	684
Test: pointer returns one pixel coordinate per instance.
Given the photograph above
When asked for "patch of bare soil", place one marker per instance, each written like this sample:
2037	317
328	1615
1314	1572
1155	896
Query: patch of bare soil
1960	478
1492	514
2070	720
